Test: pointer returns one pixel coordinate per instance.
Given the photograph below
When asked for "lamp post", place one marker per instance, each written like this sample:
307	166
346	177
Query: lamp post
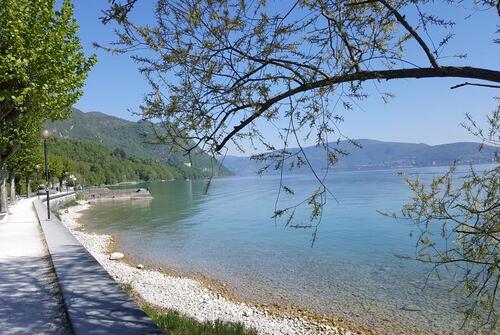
45	135
37	169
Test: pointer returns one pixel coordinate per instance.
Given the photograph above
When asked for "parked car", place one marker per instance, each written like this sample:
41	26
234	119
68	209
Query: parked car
40	190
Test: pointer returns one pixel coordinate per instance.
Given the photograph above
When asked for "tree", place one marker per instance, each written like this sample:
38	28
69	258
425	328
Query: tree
457	220
119	152
295	65
12	187
68	167
218	67
238	61
3	190
28	159
42	68
60	167
24	161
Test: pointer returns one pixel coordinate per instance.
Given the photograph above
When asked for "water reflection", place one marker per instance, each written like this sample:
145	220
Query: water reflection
172	203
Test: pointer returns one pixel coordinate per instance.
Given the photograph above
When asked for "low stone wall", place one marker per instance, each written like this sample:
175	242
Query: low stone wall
94	302
106	193
60	199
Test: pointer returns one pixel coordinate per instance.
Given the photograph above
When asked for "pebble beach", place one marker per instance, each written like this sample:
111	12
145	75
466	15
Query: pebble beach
186	295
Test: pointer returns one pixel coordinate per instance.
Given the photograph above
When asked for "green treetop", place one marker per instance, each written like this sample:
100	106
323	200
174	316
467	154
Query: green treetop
24	161
42	68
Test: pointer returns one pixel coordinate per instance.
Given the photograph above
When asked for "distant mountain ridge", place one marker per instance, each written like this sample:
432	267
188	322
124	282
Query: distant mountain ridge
135	139
378	155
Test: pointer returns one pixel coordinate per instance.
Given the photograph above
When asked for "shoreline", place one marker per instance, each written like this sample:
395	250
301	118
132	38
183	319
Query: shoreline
200	297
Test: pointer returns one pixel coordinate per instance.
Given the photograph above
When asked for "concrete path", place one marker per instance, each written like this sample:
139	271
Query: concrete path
30	302
94	301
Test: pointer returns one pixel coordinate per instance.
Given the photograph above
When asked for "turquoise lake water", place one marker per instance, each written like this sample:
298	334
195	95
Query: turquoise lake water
351	272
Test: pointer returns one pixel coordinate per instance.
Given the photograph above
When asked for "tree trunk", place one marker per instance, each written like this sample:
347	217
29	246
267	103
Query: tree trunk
3	190
28	186
12	188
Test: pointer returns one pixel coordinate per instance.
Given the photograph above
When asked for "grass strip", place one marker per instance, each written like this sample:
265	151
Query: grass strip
173	323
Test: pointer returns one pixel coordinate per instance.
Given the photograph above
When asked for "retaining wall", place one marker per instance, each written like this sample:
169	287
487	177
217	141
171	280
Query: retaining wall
94	302
97	193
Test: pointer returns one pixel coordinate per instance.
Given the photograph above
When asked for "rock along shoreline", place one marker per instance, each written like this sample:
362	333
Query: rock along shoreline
186	295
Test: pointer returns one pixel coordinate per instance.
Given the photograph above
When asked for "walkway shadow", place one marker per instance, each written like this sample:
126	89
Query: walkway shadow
30	301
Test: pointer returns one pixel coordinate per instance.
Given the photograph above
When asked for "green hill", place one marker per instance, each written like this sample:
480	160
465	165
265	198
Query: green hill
136	139
94	164
133	142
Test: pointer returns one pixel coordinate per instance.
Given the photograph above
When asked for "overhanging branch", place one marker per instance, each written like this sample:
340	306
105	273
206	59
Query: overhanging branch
412	31
415	73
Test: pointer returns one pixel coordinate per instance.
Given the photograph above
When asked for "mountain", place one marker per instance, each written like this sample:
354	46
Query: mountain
377	155
133	140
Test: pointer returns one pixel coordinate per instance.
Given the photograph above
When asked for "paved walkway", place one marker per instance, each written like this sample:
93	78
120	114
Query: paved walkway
29	299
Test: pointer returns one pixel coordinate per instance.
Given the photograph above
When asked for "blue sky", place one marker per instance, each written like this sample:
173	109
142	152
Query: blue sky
423	110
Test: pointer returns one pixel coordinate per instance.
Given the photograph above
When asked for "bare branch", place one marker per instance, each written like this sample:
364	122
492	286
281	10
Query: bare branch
474	84
412	31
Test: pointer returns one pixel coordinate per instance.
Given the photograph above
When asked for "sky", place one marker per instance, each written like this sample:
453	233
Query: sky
423	111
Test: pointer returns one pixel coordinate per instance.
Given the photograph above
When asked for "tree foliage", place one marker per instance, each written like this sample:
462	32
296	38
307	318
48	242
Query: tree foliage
235	62
93	165
42	68
457	220
23	162
218	67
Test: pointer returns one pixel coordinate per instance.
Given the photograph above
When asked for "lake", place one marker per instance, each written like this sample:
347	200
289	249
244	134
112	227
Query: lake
352	271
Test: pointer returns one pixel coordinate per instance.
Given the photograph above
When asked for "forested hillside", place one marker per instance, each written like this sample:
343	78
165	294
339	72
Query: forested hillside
136	139
104	149
94	164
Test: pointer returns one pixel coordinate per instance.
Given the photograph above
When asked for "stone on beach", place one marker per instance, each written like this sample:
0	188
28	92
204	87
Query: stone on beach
411	308
116	256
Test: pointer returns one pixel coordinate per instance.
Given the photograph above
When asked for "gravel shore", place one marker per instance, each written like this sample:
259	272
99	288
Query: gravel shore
187	295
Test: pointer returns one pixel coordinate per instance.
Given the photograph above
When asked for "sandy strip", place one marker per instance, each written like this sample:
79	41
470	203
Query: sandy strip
187	295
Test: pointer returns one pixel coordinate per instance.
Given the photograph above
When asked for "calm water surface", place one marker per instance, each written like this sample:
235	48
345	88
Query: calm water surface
351	272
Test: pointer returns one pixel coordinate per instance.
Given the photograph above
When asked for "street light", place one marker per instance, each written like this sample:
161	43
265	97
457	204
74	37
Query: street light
45	136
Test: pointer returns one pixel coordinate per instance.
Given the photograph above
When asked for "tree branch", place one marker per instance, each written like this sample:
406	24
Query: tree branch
401	19
412	31
11	115
416	73
474	84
